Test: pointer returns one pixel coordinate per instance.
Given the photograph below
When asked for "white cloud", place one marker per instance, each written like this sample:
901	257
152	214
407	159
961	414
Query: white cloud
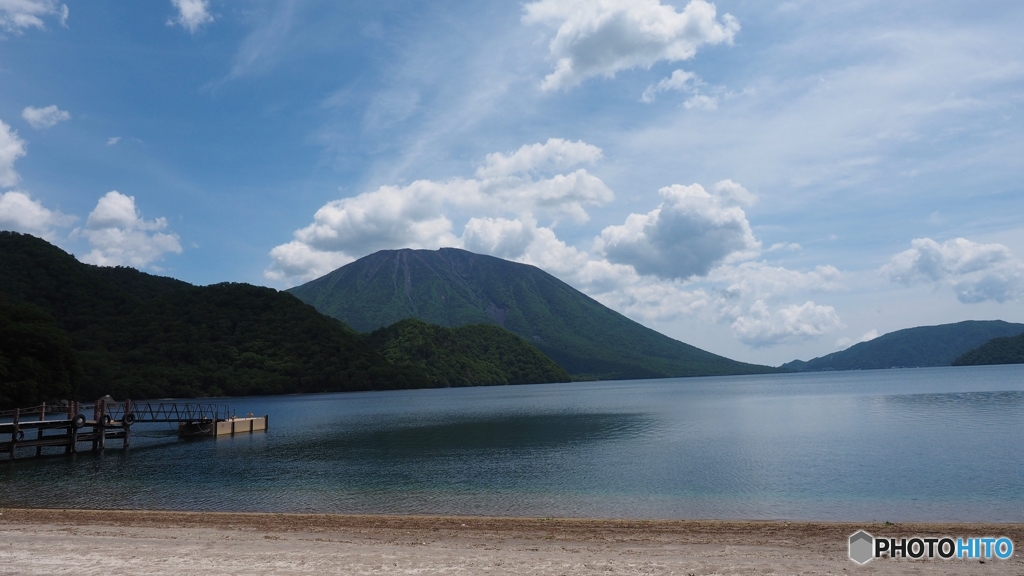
19	212
499	237
763	281
701	102
120	236
600	38
191	14
762	327
412	216
113	140
691	232
679	81
388	217
791	246
11	148
976	272
47	117
867	336
298	261
552	156
691	256
16	15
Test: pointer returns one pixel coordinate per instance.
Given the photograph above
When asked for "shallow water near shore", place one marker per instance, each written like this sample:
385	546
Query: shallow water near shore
931	444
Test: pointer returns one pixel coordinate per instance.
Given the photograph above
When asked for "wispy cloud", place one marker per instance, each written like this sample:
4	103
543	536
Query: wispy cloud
47	117
17	15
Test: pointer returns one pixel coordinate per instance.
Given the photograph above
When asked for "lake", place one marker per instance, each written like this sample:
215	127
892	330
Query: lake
930	444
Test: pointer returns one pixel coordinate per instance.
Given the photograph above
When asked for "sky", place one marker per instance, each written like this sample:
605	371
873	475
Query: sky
767	180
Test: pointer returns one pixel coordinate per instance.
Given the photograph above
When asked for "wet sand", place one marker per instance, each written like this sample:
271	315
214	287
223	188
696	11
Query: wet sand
86	542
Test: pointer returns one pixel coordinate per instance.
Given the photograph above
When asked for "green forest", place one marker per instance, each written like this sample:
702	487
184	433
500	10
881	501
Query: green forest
1006	350
465	356
70	330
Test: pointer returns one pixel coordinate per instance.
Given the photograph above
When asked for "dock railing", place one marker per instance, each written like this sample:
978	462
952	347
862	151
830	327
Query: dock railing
34	427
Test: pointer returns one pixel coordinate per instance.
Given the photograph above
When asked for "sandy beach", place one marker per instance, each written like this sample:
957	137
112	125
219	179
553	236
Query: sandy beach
84	542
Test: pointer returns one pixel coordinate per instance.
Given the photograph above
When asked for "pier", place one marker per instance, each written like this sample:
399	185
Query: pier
67	426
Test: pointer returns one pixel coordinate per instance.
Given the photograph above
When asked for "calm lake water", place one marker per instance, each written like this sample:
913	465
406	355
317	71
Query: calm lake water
936	444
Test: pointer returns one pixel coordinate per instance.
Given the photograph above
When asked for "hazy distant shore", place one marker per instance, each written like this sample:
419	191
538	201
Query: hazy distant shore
49	541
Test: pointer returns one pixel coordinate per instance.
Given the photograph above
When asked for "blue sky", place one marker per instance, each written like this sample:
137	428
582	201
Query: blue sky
765	180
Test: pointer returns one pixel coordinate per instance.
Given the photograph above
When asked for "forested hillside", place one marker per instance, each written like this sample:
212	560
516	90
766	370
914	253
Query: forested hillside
142	336
451	287
464	356
1006	350
72	330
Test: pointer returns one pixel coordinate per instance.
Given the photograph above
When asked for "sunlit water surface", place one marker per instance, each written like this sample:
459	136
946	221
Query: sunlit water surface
936	444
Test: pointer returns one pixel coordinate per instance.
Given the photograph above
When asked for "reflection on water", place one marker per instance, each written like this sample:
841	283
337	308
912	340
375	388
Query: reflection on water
930	444
502	432
1010	400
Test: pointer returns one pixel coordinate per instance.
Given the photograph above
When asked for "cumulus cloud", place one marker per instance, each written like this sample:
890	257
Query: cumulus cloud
976	272
691	232
762	326
113	140
19	212
388	217
191	14
756	299
296	260
600	38
506	199
120	236
679	81
692	255
47	117
11	148
499	237
552	156
763	281
17	15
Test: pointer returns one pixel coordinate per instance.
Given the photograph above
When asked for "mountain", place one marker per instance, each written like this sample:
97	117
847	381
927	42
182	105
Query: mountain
912	347
143	336
1004	350
451	287
476	354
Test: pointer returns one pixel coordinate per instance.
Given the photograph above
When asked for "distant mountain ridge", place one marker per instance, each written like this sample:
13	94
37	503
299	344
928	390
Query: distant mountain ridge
452	287
912	347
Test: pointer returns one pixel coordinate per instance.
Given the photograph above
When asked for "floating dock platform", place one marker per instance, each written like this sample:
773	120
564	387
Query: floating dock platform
228	427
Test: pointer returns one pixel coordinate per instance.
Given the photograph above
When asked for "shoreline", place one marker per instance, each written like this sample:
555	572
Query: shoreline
42	541
285	521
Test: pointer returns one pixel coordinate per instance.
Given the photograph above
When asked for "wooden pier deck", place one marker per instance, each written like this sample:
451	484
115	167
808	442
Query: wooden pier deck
30	430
